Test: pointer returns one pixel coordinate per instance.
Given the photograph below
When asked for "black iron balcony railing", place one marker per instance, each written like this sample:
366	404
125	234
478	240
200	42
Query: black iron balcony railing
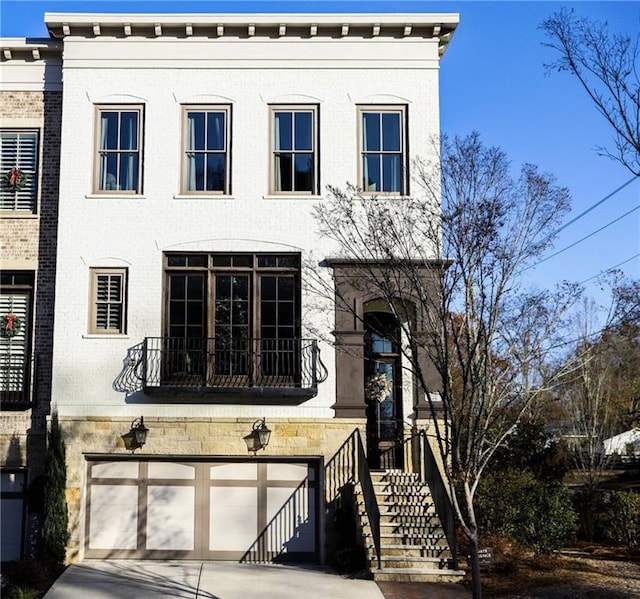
227	363
17	376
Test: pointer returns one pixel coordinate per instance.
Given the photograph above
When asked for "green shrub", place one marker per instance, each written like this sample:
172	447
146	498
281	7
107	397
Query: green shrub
536	514
56	523
24	593
622	518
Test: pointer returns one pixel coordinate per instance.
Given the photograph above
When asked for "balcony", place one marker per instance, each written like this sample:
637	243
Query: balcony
16	381
260	369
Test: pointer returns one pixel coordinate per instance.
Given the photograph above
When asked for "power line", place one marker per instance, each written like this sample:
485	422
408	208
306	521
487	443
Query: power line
573	220
610	268
585	237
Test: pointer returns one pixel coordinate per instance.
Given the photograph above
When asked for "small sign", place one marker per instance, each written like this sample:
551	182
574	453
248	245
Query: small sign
485	557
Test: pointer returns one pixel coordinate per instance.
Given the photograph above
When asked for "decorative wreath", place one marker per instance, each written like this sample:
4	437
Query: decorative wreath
377	387
10	325
15	179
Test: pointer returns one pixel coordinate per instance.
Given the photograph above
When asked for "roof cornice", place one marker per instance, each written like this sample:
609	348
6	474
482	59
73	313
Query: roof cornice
32	49
213	26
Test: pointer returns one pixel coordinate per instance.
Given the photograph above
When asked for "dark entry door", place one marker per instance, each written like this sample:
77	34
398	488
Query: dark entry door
383	390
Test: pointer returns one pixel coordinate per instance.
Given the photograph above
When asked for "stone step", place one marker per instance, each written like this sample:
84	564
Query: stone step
416	575
412	561
434	551
402	518
411	529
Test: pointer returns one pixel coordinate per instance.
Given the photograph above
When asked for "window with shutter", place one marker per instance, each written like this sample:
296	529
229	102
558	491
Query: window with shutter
108	309
19	151
15	362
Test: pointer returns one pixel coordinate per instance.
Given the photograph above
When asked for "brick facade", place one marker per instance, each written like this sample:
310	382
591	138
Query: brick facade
28	244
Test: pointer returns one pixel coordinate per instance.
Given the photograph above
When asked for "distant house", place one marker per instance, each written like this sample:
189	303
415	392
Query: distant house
193	150
624	444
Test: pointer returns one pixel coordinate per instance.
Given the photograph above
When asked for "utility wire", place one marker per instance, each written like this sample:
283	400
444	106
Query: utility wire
585	237
573	220
610	268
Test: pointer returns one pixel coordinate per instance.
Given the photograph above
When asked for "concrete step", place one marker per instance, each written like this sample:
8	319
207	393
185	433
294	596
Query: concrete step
417	575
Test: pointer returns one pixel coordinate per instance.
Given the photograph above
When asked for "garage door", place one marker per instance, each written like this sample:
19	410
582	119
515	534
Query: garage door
227	510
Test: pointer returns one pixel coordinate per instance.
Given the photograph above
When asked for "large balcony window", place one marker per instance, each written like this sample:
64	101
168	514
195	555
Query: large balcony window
232	321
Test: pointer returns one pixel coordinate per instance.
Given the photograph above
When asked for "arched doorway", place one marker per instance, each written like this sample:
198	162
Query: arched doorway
383	390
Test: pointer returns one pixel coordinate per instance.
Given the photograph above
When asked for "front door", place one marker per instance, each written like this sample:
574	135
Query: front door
383	390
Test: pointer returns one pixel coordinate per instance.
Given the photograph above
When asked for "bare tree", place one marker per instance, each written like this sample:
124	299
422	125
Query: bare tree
606	65
446	262
600	392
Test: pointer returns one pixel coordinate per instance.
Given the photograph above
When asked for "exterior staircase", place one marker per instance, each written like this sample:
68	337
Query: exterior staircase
413	545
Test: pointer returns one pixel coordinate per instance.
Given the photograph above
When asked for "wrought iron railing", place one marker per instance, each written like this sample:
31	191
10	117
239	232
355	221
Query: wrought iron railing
348	467
430	474
231	363
17	380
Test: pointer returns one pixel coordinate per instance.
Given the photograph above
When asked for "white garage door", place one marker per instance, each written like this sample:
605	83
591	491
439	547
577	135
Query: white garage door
228	510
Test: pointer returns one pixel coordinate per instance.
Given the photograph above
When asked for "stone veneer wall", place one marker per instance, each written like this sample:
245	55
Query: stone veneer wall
180	438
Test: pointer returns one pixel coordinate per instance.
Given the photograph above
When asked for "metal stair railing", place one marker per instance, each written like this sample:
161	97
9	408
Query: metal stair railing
349	465
430	474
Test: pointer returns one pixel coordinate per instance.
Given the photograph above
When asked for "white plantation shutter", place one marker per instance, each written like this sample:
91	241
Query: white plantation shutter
13	350
19	150
109	302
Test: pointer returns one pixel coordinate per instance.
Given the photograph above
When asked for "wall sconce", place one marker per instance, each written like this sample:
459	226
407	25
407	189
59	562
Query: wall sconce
258	438
137	436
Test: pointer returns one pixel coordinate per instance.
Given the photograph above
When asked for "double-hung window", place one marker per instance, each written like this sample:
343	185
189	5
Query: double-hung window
119	149
108	301
205	167
294	152
383	149
19	170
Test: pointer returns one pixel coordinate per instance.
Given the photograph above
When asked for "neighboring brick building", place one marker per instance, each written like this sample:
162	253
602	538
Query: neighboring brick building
193	151
30	125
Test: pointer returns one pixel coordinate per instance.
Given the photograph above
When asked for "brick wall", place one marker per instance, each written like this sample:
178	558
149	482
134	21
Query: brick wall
28	242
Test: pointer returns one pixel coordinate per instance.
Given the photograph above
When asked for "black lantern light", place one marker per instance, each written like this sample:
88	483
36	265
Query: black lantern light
137	436
259	436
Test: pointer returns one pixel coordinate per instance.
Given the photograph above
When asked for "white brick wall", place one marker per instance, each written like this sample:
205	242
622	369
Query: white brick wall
336	74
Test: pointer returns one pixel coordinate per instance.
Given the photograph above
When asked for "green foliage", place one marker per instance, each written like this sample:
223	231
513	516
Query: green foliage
622	518
56	524
531	448
23	592
537	514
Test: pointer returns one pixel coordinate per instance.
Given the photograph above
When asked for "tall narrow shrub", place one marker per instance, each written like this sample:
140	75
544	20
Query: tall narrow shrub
56	523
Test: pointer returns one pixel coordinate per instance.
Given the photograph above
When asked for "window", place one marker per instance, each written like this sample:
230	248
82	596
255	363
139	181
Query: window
205	168
119	159
383	161
294	156
108	301
16	290
233	315
19	152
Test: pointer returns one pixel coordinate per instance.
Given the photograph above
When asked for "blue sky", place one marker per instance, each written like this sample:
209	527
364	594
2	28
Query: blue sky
492	81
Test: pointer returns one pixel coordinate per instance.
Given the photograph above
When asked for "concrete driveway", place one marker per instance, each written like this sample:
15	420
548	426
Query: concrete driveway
114	579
